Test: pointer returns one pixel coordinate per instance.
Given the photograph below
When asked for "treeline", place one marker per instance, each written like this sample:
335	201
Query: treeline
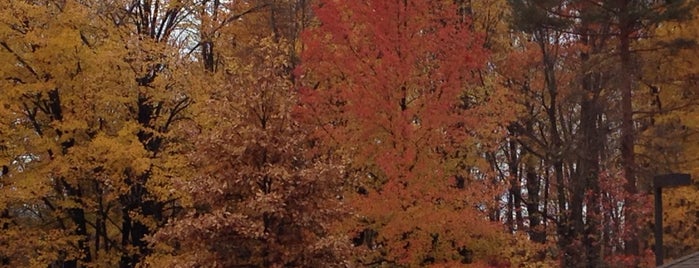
323	133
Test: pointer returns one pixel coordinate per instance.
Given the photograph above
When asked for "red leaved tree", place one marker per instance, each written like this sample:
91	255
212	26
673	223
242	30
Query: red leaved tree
398	88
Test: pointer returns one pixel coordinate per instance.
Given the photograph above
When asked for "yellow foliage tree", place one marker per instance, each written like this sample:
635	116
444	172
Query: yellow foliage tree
669	106
85	135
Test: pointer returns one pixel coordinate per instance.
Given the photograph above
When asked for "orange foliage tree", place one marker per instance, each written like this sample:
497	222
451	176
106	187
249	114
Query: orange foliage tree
398	87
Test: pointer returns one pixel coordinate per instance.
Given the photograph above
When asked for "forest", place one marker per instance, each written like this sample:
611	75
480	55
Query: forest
346	133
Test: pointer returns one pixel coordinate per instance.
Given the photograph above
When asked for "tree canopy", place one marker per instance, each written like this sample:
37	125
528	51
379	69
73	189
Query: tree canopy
328	133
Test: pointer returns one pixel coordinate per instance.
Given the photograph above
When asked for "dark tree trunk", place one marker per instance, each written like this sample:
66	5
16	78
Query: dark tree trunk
536	233
627	128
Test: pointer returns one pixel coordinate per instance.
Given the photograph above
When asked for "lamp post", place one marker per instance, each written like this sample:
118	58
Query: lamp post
660	181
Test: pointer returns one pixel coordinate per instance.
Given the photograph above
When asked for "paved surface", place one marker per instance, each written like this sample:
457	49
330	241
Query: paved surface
689	261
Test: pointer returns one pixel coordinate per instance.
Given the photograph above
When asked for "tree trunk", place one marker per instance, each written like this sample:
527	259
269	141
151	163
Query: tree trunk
627	129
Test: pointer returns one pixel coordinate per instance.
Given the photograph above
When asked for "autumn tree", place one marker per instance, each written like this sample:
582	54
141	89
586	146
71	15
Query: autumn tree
173	133
590	119
88	109
667	118
49	47
395	86
542	143
260	199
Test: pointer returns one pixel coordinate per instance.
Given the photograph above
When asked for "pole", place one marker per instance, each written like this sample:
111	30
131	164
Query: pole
660	181
658	226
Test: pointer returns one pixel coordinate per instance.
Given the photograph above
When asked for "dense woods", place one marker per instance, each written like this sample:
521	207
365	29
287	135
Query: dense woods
331	133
